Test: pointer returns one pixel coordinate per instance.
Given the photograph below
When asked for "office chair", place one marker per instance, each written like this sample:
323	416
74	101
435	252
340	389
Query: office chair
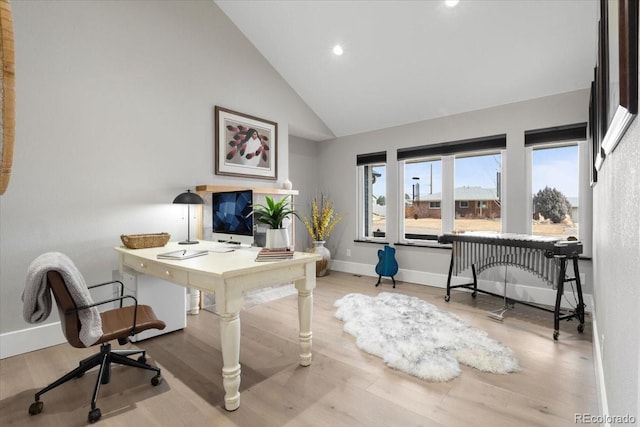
119	323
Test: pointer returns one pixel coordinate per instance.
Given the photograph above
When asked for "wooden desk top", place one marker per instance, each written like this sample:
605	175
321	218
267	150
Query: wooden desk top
240	261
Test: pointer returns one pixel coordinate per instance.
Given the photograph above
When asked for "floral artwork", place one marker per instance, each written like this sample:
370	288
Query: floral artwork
245	145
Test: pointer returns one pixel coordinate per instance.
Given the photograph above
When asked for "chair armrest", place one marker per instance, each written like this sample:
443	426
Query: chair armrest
110	283
121	298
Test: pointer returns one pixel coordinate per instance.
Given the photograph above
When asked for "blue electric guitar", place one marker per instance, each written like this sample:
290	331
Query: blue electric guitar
387	264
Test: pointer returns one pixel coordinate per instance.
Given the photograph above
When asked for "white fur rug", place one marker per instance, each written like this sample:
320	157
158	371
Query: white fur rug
416	337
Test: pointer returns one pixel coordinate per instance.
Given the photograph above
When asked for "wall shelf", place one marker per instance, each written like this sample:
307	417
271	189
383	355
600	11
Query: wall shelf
256	190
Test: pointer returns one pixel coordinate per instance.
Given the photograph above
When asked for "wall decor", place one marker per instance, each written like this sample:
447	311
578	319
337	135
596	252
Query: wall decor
246	146
620	22
600	80
7	94
591	135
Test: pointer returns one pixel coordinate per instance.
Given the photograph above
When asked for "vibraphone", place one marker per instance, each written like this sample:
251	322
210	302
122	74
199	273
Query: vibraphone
545	257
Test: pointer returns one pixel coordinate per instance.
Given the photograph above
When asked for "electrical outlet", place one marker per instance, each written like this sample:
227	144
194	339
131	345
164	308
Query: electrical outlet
348	252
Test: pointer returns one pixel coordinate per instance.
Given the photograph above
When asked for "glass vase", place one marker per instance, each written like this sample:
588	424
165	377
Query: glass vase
322	266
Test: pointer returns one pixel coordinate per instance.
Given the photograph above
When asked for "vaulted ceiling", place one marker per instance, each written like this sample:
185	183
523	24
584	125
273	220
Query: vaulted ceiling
406	61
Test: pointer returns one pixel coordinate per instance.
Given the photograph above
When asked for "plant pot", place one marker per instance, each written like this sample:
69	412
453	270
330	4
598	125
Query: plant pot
322	266
277	238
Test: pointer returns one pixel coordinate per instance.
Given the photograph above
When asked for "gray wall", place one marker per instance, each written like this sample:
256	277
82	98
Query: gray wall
616	270
303	172
115	106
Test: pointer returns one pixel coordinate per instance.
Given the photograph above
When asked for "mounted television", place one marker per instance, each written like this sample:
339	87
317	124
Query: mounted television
232	218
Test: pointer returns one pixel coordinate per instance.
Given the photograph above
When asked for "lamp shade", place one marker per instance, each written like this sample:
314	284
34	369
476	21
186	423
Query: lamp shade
188	198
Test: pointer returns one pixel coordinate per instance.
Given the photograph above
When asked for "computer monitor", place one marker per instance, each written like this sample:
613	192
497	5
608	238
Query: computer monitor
232	217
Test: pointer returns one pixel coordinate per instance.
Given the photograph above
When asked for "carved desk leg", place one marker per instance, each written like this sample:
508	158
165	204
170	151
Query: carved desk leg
230	342
305	312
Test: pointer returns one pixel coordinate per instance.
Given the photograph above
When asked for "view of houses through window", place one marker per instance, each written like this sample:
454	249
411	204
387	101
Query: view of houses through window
476	195
422	199
477	199
477	192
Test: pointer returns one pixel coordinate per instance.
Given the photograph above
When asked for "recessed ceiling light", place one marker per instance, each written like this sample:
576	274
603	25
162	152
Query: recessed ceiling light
451	3
337	49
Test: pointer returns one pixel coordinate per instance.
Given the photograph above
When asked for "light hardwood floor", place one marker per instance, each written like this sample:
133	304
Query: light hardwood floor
343	387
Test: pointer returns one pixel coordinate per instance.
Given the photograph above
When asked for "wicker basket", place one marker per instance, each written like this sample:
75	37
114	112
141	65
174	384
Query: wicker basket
139	241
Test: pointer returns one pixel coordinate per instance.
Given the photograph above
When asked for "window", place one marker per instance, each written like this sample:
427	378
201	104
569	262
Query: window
456	182
554	187
372	192
477	180
555	155
423	191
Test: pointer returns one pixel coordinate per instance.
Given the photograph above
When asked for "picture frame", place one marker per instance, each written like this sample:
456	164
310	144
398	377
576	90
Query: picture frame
7	94
245	146
600	98
594	144
620	30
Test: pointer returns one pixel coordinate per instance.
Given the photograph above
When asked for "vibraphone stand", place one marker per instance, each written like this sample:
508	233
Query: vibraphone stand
499	313
558	314
579	310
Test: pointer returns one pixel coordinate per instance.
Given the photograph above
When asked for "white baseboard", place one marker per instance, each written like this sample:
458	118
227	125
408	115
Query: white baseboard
31	339
603	405
525	293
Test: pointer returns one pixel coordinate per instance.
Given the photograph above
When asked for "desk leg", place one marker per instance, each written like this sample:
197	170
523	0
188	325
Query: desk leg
305	311
195	301
230	342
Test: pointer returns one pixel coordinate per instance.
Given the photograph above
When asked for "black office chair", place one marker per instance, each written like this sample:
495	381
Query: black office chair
119	323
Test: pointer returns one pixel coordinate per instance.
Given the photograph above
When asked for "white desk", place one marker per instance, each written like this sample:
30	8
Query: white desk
229	275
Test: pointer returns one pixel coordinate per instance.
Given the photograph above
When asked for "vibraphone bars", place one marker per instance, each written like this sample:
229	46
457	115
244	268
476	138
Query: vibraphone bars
545	257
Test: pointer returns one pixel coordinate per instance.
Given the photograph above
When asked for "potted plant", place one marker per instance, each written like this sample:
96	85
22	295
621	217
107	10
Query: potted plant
319	225
273	214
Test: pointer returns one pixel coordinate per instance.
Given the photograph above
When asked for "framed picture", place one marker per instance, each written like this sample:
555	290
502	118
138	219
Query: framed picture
594	145
246	146
7	94
600	80
620	30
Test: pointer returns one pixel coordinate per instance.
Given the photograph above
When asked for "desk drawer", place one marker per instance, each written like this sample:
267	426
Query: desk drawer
155	269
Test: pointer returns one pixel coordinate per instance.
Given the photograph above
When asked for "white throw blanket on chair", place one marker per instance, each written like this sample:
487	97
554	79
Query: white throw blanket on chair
37	298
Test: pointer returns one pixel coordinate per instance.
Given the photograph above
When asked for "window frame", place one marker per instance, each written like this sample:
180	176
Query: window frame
449	151
529	170
571	134
365	161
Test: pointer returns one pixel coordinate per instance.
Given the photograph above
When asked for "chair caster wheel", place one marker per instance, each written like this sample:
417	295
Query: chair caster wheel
556	334
94	415
447	298
581	327
157	380
35	408
142	359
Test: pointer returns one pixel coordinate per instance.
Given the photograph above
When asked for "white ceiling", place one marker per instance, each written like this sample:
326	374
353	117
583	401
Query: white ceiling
406	61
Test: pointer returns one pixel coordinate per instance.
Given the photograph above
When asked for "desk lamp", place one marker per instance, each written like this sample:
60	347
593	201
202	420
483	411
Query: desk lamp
188	199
